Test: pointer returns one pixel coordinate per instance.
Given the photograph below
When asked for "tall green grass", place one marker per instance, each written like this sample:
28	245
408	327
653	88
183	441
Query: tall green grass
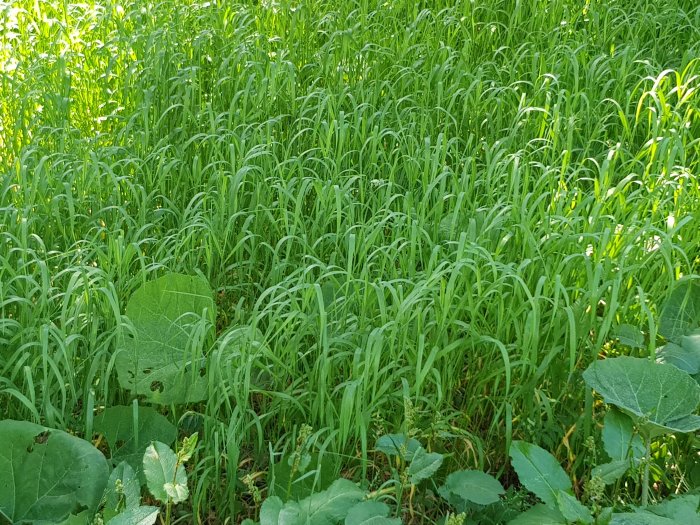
450	202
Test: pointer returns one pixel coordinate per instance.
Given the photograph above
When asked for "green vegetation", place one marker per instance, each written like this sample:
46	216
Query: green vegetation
364	250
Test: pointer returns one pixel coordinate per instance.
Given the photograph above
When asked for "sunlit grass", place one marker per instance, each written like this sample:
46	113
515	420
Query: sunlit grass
464	196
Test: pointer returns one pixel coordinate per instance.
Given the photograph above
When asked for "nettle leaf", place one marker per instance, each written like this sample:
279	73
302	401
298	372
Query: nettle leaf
370	513
165	477
572	509
162	359
123	490
684	355
660	398
47	474
136	516
398	445
681	312
116	424
539	471
423	465
540	515
619	439
471	486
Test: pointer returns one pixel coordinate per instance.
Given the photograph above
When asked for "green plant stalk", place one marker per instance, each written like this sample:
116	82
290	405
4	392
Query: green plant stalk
645	475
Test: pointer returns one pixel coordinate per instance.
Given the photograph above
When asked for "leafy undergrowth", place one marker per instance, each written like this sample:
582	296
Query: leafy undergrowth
380	217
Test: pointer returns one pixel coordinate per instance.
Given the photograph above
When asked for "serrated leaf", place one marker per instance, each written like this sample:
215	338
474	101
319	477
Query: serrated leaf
136	516
572	509
370	513
157	360
539	515
165	478
130	495
612	471
47	474
423	465
681	311
661	398
116	424
472	486
539	471
398	445
619	439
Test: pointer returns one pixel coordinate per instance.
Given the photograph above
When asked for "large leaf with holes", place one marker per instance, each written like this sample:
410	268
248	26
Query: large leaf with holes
46	474
659	397
162	357
681	312
128	433
539	471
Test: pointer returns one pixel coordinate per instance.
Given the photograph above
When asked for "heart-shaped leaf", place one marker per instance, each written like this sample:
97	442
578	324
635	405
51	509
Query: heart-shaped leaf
162	359
539	471
47	474
660	398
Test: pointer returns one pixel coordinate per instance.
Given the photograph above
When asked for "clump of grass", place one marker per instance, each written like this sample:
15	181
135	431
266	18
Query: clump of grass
460	195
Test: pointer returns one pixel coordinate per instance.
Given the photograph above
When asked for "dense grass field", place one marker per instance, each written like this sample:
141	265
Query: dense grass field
436	214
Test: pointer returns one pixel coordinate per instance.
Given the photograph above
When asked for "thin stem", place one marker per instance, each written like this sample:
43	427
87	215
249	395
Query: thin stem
645	478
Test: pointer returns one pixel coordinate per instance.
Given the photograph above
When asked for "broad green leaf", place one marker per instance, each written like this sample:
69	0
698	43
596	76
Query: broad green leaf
158	360
270	511
472	486
331	505
116	424
681	509
165	478
46	475
661	398
123	490
640	518
684	355
628	335
398	445
370	513
136	516
619	439
539	471
681	311
572	509
424	465
612	471
539	515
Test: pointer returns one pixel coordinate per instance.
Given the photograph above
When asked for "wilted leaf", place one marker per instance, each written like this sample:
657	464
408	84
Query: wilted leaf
539	471
47	474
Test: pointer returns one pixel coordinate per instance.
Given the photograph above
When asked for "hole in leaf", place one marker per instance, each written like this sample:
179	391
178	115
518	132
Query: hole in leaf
147	370
42	437
202	372
156	386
